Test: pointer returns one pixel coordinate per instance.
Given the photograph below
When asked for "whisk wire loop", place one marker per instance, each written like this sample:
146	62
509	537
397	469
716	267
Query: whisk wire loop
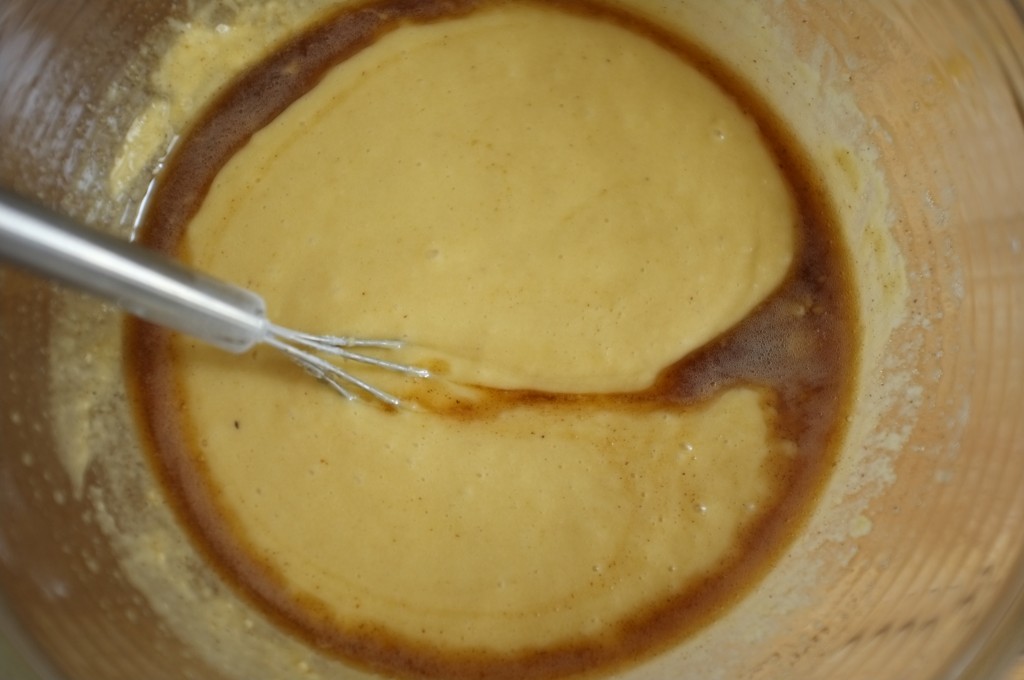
301	347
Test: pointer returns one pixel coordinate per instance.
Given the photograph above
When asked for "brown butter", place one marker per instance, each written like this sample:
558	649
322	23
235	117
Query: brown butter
799	346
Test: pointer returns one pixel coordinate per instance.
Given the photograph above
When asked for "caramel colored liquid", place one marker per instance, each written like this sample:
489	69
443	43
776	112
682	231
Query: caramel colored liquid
798	349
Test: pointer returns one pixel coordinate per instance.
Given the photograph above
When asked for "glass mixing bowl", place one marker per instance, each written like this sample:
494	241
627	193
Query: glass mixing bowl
910	569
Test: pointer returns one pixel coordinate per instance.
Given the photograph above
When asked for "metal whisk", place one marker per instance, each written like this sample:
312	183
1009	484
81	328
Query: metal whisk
162	291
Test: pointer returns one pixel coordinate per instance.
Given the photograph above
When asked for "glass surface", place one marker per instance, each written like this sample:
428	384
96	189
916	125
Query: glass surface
12	663
911	570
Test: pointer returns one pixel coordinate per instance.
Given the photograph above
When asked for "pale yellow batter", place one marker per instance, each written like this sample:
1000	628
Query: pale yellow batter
541	201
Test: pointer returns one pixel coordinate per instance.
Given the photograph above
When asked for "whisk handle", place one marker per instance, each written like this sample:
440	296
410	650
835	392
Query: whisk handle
139	281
